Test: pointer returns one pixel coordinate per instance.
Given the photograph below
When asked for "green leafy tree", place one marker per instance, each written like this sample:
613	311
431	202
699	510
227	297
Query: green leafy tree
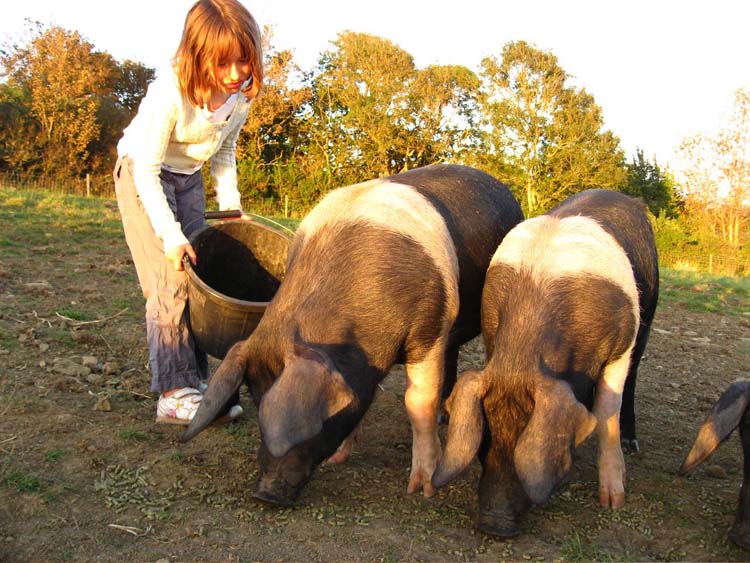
364	83
272	137
647	181
19	130
544	138
439	119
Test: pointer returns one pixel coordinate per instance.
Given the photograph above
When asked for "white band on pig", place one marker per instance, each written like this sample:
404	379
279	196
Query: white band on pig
550	247
398	208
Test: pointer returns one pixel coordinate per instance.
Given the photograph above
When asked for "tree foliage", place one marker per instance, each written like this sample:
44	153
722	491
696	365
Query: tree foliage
19	130
546	138
363	82
647	181
77	100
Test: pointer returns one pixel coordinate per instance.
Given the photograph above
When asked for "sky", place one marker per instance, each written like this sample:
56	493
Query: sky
661	70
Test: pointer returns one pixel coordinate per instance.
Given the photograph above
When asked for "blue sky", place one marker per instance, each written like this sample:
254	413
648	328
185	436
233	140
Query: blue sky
659	69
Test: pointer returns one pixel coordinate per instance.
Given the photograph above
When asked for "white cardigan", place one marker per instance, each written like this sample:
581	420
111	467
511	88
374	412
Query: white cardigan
169	130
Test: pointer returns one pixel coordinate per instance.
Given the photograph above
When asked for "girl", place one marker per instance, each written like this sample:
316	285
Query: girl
187	117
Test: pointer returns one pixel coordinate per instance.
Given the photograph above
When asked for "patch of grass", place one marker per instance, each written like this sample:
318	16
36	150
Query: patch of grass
580	549
132	434
22	482
31	222
236	430
705	293
8	339
575	549
62	336
53	456
74	314
177	456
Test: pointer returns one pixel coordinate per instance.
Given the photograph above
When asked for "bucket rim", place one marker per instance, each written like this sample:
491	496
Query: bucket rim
251	306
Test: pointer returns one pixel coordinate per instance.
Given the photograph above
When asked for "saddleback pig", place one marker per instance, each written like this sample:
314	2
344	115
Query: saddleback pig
729	412
383	272
566	312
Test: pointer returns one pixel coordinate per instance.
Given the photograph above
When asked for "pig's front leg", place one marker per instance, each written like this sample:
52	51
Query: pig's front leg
422	400
341	455
607	411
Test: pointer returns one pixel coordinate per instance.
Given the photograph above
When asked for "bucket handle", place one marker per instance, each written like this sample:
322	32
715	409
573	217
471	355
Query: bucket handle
228	214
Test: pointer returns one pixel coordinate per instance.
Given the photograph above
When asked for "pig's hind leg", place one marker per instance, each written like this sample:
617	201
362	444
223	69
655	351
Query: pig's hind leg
450	374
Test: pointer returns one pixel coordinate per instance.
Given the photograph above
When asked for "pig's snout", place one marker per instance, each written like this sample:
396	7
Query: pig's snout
282	478
276	491
502	505
501	524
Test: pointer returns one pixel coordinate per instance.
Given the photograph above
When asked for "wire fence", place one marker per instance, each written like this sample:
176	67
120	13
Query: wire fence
89	186
720	264
728	263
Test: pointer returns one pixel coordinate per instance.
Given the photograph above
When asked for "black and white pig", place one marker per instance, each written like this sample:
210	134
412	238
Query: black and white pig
383	272
566	312
730	412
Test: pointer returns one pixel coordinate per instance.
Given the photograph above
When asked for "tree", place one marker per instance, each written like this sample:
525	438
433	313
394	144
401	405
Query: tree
78	99
130	83
439	121
363	83
19	131
647	181
62	73
716	178
542	137
271	137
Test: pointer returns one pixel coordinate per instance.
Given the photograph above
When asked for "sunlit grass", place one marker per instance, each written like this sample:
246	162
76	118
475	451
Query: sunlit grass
705	293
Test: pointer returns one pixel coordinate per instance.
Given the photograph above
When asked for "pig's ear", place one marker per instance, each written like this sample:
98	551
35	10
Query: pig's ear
465	427
308	391
544	452
221	388
724	417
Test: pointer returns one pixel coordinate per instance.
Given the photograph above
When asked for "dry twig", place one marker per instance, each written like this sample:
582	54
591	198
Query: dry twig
131	529
81	323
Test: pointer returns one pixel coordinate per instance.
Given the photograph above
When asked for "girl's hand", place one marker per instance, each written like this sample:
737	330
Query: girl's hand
174	255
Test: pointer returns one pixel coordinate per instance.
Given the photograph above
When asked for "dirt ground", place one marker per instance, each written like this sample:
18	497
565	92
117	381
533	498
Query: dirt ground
86	475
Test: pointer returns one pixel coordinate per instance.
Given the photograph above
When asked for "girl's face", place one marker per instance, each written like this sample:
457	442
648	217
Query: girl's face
232	72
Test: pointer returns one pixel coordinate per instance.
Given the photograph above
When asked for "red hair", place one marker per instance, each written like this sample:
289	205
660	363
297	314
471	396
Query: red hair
214	29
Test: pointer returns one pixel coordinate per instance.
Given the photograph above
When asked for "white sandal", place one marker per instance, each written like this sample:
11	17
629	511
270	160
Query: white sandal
179	407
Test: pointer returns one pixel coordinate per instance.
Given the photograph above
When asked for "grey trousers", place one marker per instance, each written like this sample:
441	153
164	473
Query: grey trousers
174	358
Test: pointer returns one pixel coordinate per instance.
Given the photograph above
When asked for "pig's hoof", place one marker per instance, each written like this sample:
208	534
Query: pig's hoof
631	445
740	535
338	458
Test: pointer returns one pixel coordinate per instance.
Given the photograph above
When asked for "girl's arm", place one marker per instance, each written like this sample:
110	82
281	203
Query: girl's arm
156	119
224	167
